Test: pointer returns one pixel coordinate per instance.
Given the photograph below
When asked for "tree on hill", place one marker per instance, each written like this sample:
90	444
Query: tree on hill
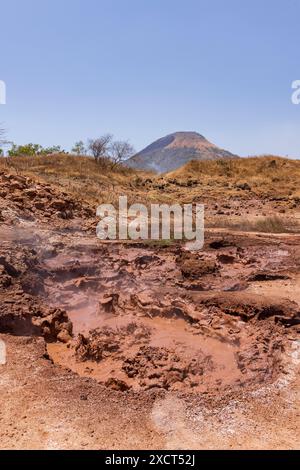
110	152
31	150
24	150
51	150
99	148
120	151
79	148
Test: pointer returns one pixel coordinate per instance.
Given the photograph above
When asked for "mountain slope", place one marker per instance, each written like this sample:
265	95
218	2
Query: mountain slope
175	150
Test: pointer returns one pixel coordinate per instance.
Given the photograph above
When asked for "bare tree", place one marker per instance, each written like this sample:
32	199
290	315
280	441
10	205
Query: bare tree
120	151
99	147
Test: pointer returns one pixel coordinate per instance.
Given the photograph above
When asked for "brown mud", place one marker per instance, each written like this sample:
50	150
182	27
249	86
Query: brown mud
141	321
189	345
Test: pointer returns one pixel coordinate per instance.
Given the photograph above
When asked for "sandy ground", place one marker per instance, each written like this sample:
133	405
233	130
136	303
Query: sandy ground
46	407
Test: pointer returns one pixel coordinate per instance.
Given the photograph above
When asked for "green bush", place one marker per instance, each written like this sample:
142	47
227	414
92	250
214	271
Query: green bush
30	150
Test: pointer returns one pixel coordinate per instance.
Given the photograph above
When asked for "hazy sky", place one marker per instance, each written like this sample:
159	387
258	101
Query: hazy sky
141	69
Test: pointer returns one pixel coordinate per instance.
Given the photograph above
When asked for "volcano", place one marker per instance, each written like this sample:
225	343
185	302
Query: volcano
174	150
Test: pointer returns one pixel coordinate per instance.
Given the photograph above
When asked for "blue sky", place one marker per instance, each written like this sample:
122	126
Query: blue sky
141	69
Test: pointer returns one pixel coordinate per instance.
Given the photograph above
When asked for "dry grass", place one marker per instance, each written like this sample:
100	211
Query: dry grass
70	166
272	224
267	175
82	176
267	166
269	178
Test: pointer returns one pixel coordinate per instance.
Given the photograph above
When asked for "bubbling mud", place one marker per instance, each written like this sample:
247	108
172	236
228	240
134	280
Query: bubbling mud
139	322
138	318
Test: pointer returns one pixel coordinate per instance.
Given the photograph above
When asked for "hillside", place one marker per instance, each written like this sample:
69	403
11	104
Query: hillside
267	176
82	176
175	150
244	192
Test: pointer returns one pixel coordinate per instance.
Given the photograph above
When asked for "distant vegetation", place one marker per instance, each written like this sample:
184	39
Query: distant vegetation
31	150
105	147
106	151
79	148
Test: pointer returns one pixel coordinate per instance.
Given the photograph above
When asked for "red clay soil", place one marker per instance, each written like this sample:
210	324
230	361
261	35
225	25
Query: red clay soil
131	346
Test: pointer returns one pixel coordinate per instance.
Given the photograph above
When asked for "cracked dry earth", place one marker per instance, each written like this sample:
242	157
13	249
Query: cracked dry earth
131	346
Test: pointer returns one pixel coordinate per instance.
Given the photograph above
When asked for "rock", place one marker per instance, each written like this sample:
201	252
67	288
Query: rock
16	186
267	276
109	302
218	244
31	193
192	266
20	179
172	377
144	299
226	259
64	336
248	306
39	205
243	186
58	204
116	384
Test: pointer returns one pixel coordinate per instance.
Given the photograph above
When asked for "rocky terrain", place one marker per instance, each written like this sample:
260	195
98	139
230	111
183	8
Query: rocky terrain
142	345
174	150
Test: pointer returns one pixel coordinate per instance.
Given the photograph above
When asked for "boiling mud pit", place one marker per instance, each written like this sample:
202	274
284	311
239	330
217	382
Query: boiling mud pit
166	318
138	346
